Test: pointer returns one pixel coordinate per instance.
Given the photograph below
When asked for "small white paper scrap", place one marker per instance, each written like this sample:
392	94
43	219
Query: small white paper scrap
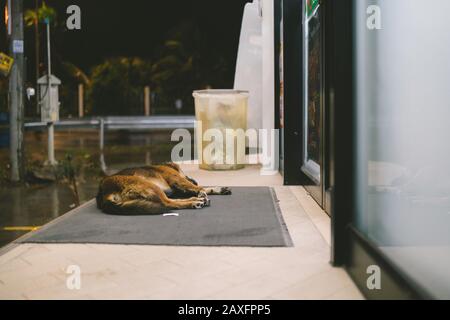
171	214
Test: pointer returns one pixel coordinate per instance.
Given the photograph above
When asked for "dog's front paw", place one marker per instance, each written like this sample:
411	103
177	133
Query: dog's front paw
225	191
202	194
206	201
198	204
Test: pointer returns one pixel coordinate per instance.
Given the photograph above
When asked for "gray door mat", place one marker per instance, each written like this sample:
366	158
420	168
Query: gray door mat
249	217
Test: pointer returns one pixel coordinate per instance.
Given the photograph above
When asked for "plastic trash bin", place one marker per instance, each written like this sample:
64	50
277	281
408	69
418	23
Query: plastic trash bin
216	112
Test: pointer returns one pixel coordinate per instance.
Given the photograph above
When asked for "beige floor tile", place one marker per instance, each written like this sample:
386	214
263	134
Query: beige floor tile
14	264
242	273
258	288
187	256
318	286
114	251
10	252
242	256
317	216
192	288
56	293
197	271
139	259
350	292
161	267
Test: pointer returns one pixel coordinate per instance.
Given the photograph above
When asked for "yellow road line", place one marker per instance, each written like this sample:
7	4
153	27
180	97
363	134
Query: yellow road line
21	228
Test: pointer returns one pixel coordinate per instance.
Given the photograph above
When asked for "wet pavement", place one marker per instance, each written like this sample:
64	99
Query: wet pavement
25	207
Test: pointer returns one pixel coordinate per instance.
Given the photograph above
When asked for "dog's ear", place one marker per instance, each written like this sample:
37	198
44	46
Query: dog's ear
173	166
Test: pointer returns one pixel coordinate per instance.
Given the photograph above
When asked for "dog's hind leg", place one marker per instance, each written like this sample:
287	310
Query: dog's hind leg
183	185
186	187
145	207
193	202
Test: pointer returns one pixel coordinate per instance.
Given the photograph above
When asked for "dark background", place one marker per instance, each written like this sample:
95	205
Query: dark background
137	29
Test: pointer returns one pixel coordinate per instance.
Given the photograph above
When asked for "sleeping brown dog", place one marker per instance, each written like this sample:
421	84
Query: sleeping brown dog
153	190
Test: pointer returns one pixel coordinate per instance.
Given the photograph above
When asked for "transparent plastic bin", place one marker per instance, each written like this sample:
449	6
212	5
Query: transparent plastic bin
216	111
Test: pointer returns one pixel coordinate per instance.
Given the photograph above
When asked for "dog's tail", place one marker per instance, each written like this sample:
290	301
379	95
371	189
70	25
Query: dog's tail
114	204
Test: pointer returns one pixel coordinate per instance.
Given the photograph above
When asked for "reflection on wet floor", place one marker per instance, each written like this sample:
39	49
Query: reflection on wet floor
31	206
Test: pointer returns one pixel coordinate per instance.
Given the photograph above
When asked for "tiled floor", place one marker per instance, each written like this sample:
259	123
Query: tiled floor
38	271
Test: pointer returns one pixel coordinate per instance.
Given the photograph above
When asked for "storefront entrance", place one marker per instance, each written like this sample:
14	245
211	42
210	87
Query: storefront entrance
302	107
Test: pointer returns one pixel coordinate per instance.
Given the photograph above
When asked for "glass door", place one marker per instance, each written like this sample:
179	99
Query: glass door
402	193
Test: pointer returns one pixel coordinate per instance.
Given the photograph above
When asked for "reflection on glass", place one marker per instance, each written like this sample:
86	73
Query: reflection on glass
403	131
312	90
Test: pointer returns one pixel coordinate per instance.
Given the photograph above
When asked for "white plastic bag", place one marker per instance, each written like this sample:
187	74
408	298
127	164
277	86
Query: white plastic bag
248	74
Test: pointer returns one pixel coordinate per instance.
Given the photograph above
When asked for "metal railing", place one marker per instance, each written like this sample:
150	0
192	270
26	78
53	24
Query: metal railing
120	123
123	122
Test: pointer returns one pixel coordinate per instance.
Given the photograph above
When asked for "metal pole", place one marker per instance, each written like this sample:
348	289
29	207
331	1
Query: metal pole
16	91
36	39
51	143
51	130
147	100
102	134
49	61
102	144
80	100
